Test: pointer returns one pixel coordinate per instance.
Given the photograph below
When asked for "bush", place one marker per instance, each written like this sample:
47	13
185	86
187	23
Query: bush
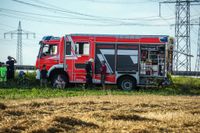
169	76
26	81
187	85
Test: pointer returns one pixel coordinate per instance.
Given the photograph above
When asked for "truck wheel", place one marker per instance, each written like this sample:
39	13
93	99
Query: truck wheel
127	83
63	79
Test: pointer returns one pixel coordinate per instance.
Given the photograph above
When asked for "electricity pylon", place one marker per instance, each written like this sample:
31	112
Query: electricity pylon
182	50
19	32
197	65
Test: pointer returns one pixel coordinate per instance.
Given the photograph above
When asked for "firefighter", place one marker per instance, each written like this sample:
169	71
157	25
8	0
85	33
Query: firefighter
10	67
103	70
43	76
88	69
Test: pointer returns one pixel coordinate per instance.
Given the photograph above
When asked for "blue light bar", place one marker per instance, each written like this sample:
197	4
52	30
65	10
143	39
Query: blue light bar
164	39
47	38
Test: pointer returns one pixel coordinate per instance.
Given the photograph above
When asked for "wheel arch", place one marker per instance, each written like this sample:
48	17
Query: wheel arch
126	75
57	69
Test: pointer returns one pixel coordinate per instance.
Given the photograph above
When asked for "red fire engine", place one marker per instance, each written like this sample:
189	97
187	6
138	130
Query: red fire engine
131	60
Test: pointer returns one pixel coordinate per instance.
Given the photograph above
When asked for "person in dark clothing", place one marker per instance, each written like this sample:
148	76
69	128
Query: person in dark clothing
103	70
88	69
43	76
10	67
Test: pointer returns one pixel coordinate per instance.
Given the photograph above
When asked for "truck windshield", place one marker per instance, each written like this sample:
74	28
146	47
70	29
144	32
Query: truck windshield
48	50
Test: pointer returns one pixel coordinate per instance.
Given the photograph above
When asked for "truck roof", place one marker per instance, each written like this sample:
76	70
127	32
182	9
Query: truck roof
113	37
124	38
121	36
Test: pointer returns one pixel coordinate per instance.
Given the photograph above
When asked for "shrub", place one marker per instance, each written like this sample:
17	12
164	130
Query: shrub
186	84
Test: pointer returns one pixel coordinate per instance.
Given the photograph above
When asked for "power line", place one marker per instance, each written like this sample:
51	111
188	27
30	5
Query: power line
118	2
54	9
84	24
51	21
91	17
64	17
59	9
52	16
39	19
111	21
7	25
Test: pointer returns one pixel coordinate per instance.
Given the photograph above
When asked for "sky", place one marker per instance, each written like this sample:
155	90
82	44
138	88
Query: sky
60	17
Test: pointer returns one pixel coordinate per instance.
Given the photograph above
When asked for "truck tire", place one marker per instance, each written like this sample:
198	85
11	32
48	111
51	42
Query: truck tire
55	77
127	83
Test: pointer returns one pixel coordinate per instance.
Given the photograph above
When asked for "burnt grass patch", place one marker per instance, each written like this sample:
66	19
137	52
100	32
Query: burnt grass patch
19	128
147	105
191	124
63	127
74	122
137	110
48	130
89	102
106	108
15	112
2	106
106	102
37	104
14	129
131	118
9	130
73	103
83	103
39	131
54	130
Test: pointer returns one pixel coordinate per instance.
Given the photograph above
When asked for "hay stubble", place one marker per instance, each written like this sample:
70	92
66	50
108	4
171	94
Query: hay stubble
147	113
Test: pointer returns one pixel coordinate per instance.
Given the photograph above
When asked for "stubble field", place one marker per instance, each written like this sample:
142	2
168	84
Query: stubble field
148	113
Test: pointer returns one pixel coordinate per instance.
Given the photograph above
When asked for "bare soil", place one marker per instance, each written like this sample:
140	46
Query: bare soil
148	113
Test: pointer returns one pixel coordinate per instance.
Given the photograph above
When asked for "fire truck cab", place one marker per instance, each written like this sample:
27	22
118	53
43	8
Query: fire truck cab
131	60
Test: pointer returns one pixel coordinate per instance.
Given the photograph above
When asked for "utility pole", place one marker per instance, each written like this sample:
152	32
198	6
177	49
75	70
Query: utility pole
197	65
182	50
19	32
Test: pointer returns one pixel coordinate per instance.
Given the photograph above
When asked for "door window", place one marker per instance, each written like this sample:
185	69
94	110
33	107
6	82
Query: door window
49	50
82	48
68	49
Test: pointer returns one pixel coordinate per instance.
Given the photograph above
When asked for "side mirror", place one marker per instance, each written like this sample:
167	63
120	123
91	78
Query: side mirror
40	42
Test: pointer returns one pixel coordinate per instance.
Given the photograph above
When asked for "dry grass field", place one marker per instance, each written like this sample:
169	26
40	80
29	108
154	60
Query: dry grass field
148	113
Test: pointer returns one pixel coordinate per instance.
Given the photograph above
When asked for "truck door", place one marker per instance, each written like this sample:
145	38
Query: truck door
48	55
127	58
82	51
105	52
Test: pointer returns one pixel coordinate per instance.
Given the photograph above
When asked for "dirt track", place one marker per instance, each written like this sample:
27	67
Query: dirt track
102	114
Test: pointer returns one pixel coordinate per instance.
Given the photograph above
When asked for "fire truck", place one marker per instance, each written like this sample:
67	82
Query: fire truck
131	60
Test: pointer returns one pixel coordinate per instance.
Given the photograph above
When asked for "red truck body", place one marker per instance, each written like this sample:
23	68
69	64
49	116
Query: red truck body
130	59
